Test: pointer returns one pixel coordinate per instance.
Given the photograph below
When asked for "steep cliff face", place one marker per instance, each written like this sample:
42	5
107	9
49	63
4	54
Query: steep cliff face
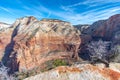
82	28
105	29
5	36
34	42
81	72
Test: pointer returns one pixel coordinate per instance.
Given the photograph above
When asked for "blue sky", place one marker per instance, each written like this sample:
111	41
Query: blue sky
74	11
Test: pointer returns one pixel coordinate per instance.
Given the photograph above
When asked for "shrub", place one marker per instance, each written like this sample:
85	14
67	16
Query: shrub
49	65
24	74
54	63
116	51
59	62
21	75
99	51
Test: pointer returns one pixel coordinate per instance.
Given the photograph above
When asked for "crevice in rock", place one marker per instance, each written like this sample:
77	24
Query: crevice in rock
11	61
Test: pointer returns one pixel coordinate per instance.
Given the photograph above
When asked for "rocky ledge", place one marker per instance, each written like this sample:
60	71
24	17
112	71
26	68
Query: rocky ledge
81	72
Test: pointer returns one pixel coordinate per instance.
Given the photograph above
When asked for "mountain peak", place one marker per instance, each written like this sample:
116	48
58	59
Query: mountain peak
24	21
27	19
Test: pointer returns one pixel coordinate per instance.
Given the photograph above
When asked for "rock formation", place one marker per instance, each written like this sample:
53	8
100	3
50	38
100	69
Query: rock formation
82	28
105	29
33	42
28	43
81	72
5	36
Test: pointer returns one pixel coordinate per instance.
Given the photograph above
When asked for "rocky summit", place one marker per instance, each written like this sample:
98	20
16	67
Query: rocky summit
34	42
31	47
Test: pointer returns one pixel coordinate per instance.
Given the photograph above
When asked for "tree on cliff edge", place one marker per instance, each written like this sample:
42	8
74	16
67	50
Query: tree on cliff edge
99	51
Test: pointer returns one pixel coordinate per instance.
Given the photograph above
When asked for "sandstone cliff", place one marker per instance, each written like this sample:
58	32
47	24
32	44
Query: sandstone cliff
28	44
81	72
105	29
34	42
5	36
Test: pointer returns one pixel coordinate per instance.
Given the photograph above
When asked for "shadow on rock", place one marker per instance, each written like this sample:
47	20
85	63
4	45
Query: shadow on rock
9	59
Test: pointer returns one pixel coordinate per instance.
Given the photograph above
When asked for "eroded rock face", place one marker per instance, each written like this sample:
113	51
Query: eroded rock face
81	72
34	42
105	29
5	37
82	28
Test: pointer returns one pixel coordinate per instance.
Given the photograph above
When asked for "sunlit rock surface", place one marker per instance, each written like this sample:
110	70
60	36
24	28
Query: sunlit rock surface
28	43
34	42
81	72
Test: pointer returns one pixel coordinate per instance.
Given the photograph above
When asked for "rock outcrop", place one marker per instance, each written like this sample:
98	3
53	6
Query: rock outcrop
34	42
105	29
82	28
5	36
81	72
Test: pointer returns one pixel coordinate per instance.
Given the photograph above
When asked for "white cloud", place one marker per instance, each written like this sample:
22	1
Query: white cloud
8	10
93	2
49	14
8	20
5	9
67	8
89	16
69	13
